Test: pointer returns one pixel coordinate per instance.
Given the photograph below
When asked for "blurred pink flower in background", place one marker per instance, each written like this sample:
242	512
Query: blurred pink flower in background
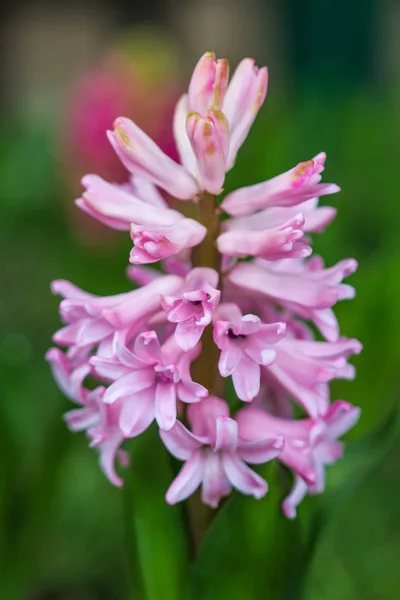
139	76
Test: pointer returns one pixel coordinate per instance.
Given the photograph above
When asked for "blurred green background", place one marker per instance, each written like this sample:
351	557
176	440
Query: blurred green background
335	86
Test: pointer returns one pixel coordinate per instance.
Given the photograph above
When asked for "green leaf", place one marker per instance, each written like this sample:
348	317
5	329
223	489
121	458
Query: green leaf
155	531
357	548
250	551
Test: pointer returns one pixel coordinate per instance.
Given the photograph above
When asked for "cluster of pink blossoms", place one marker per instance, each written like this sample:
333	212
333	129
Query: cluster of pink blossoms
140	345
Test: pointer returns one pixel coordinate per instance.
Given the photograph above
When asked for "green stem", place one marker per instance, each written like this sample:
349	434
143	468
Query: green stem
205	367
206	254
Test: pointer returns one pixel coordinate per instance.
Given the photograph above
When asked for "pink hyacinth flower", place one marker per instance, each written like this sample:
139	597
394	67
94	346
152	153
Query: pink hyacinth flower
192	308
100	421
215	455
293	187
310	444
243	99
149	381
304	288
154	243
245	343
141	156
208	83
304	368
239	103
272	243
120	205
93	320
209	138
316	218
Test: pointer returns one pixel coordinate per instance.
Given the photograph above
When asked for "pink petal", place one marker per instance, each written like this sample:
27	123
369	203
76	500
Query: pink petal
242	477
261	451
229	359
165	407
246	379
208	84
297	185
143	157
159	242
135	305
147	347
314	399
282	287
187	335
249	324
297	494
80	419
108	452
64	288
244	97
188	479
129	384
69	382
189	391
215	483
147	192
282	241
109	368
340	417
209	137
183	144
203	415
111	203
226	434
137	413
180	442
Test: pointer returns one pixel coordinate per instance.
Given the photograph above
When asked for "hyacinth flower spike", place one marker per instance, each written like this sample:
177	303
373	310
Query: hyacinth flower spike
231	292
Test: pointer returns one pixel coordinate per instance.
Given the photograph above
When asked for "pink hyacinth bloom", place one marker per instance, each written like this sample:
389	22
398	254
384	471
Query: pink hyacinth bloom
244	97
192	307
259	313
141	156
120	205
293	187
245	343
239	102
209	138
208	84
310	444
303	368
149	381
210	125
217	125
154	243
316	218
100	421
215	455
272	243
93	320
304	288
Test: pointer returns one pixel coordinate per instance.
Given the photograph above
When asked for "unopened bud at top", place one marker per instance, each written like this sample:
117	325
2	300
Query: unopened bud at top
208	83
209	138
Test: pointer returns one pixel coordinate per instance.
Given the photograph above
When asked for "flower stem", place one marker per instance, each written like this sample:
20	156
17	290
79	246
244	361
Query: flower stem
205	367
206	254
